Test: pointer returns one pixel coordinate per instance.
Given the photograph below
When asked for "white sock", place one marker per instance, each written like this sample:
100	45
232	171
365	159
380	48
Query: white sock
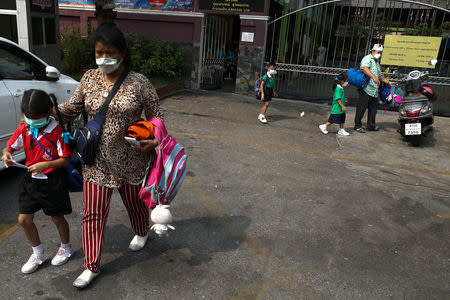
66	246
38	250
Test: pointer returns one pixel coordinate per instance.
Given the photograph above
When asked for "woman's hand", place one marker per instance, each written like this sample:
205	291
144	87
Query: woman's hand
275	94
38	167
344	108
148	145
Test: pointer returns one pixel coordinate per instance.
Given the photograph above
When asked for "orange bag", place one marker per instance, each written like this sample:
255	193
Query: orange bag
141	130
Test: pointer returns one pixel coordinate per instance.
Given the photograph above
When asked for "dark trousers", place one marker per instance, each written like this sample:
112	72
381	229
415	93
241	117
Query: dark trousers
366	102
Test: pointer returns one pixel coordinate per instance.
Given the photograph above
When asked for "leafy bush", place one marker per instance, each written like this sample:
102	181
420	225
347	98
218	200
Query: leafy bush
77	53
154	57
148	57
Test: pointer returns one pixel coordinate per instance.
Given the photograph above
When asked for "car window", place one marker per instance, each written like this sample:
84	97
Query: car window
17	67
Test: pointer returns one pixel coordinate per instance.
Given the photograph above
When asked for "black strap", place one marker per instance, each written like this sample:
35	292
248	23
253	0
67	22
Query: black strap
104	109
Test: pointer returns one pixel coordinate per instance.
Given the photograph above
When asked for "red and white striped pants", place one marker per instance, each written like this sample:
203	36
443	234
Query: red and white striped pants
96	201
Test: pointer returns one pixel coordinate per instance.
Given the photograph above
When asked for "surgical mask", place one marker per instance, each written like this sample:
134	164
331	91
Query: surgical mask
377	56
345	84
272	72
108	65
35	124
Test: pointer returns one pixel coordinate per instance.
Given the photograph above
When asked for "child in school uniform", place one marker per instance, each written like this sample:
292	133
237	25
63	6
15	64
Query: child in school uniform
267	90
46	154
338	108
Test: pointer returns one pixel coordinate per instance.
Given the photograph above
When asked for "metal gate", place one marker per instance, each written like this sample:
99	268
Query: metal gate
215	30
315	40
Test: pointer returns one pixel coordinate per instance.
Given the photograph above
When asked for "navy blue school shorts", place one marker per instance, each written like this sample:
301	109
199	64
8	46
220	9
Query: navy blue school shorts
337	118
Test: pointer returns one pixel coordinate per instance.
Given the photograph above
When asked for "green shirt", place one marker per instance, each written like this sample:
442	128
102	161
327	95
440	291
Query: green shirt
269	82
368	61
339	94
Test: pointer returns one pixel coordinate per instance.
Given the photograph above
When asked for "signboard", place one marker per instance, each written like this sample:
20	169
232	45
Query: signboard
410	51
232	5
43	6
183	5
248	37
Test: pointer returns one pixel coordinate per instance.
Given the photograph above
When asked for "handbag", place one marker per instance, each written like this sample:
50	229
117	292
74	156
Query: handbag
357	78
87	138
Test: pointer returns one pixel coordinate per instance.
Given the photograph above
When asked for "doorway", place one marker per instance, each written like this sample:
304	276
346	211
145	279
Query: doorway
220	52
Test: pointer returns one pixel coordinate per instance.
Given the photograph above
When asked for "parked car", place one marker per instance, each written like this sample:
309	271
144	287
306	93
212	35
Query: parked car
21	70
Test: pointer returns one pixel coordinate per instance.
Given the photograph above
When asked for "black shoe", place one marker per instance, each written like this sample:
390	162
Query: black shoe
376	128
360	130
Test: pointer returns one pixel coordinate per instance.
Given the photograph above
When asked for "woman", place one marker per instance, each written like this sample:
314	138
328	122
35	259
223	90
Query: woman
117	164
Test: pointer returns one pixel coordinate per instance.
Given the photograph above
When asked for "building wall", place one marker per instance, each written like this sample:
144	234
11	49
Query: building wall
184	30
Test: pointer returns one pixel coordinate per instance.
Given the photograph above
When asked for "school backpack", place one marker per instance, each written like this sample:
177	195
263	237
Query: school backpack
257	87
166	171
357	78
385	94
391	95
397	95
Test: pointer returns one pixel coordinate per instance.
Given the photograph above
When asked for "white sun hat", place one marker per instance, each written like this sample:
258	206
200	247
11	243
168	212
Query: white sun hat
377	47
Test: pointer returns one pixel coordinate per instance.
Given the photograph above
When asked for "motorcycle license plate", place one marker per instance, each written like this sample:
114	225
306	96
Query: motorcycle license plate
413	129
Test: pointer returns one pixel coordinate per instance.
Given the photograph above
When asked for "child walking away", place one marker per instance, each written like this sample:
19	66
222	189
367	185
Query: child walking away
338	108
267	90
46	154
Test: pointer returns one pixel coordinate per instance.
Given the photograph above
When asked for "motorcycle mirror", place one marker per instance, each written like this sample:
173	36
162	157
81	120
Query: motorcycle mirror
432	62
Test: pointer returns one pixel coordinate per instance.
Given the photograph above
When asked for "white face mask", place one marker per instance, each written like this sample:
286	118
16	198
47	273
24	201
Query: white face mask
345	84
272	72
108	65
377	56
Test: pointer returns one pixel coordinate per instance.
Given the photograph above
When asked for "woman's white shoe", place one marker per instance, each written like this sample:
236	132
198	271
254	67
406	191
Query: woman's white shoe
138	242
84	279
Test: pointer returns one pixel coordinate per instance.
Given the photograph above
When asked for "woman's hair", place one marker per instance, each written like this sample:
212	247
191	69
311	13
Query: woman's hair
36	102
272	64
109	34
341	78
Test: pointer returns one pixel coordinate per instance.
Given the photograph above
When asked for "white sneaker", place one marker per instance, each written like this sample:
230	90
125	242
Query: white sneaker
33	263
262	119
343	132
138	242
323	128
84	279
62	256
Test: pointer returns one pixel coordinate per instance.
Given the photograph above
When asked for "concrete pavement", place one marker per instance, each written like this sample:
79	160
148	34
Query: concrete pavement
276	211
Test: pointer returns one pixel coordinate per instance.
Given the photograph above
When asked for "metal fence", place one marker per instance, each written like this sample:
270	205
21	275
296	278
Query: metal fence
315	40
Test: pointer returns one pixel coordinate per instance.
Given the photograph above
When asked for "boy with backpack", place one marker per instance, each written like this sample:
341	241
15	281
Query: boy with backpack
267	90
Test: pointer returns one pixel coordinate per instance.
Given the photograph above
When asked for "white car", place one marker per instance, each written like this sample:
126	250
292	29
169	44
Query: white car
21	70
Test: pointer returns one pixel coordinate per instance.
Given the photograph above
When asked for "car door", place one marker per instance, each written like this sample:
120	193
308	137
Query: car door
8	120
20	73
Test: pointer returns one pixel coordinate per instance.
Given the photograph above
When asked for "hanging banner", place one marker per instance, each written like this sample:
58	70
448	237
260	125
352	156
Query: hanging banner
183	5
410	51
232	5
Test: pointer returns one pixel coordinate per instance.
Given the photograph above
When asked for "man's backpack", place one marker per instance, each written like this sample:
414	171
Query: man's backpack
166	171
257	87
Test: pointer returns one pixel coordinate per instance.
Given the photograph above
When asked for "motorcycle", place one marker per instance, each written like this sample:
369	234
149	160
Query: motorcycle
416	109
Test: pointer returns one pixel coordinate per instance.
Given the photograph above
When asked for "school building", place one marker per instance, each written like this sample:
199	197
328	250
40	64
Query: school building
223	40
34	25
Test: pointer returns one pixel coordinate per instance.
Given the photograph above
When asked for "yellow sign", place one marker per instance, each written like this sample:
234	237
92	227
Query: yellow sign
410	51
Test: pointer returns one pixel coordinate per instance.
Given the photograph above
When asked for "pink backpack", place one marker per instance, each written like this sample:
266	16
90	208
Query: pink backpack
164	175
